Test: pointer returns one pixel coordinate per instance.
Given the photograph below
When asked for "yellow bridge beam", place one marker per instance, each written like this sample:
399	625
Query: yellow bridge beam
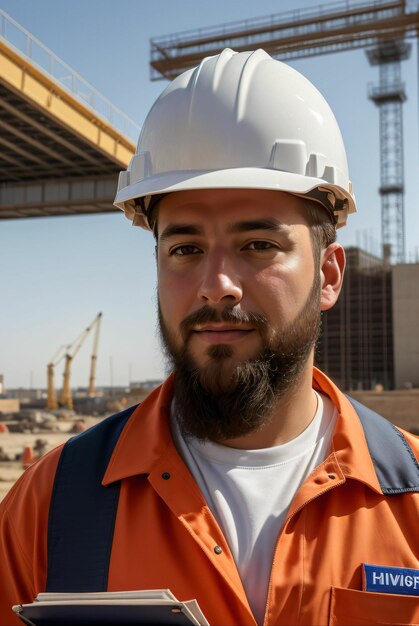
19	75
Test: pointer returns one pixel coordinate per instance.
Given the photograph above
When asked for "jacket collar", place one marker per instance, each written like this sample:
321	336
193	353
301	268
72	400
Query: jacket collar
349	443
147	436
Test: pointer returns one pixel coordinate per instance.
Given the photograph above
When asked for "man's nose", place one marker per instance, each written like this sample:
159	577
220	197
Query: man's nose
220	280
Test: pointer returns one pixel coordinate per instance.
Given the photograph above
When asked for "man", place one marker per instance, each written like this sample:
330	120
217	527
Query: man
248	480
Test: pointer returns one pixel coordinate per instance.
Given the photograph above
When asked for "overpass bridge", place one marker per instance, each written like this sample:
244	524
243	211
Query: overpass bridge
62	144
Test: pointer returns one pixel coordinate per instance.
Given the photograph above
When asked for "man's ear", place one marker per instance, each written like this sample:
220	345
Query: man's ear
331	271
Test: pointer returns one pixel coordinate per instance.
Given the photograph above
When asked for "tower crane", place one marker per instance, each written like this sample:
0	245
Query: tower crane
69	352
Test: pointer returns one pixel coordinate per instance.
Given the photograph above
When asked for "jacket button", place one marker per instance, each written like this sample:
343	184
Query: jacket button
217	550
165	475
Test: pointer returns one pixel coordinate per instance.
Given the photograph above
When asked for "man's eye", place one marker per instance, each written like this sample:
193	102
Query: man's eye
260	245
185	250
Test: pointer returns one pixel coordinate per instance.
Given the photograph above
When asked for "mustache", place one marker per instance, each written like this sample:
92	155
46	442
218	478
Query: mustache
235	315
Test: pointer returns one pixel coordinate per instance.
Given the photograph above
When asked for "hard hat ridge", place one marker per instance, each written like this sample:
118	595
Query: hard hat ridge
239	120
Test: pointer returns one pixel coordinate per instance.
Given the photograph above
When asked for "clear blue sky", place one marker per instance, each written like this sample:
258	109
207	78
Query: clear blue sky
57	273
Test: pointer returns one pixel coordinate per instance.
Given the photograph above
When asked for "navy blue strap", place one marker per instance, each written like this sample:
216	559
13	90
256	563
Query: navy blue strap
82	512
394	461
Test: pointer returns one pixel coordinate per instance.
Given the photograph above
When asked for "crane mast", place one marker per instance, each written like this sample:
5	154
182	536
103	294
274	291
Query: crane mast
66	399
94	357
52	395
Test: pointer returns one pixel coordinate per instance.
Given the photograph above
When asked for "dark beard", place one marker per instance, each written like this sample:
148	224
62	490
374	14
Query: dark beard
217	402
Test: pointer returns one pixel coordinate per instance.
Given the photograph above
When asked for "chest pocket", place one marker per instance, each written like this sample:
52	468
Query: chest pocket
363	608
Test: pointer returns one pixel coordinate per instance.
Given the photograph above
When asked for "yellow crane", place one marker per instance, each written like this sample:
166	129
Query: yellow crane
52	395
71	351
94	356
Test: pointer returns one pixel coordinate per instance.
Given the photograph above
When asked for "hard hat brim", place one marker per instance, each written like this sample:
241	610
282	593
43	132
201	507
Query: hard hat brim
234	178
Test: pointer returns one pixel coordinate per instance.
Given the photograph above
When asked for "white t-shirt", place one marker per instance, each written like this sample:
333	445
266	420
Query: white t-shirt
250	491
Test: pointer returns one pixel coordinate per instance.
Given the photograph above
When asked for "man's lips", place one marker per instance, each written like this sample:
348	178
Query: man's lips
221	333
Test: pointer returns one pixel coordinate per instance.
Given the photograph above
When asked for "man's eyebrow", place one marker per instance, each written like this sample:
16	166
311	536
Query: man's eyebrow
259	224
180	229
173	230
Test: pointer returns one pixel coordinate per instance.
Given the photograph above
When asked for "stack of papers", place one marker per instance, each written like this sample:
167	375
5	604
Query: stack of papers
152	607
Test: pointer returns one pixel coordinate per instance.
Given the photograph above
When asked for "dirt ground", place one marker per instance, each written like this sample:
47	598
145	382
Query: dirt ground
14	443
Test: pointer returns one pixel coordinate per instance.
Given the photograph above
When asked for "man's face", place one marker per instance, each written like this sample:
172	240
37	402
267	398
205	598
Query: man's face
237	286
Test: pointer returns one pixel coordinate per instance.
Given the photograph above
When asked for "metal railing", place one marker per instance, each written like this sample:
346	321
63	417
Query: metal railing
20	39
268	23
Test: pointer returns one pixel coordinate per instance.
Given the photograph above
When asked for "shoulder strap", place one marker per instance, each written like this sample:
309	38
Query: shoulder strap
394	461
82	512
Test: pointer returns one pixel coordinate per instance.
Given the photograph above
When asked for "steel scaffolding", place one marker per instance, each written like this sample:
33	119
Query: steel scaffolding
389	96
356	343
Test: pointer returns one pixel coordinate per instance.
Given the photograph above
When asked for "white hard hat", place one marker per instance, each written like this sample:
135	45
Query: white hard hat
239	120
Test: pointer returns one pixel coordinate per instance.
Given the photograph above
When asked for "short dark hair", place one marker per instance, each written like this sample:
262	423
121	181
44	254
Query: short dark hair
322	226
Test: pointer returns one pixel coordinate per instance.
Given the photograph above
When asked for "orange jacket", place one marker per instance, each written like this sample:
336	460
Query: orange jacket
165	533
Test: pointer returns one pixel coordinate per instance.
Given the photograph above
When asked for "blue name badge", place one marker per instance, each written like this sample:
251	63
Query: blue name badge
397	580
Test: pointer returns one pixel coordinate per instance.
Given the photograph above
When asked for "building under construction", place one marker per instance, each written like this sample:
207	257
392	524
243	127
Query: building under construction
370	339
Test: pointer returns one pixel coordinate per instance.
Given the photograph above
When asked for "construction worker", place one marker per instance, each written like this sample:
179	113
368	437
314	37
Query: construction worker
247	480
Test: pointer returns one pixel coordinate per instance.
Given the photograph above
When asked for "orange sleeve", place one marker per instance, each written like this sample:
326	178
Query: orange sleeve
23	536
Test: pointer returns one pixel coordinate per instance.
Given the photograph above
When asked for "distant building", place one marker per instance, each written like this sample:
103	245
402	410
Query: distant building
25	395
144	384
405	290
9	405
1	384
370	338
